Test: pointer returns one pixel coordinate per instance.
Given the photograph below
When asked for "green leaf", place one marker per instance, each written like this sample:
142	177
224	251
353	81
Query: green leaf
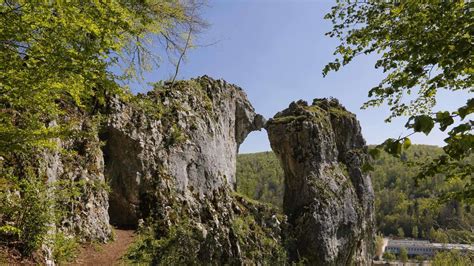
461	129
467	109
406	143
393	147
444	119
423	123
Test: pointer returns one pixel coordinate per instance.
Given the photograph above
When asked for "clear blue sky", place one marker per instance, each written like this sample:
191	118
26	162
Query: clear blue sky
275	50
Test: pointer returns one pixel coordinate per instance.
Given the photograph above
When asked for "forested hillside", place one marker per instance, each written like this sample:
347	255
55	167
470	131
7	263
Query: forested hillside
403	207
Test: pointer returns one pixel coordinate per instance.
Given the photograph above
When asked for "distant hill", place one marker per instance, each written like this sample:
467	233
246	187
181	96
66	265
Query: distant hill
260	177
403	208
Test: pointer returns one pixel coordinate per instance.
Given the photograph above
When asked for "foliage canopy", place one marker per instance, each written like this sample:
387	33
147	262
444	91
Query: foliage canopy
56	55
56	62
424	47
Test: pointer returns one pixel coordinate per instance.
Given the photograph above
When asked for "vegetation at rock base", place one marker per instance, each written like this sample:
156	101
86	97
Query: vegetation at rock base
185	241
25	215
423	47
255	234
401	203
65	248
32	212
180	245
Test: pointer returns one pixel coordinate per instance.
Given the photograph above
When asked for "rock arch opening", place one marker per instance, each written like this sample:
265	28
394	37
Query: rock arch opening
259	174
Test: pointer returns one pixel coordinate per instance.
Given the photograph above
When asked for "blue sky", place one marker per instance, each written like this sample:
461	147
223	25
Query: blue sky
275	50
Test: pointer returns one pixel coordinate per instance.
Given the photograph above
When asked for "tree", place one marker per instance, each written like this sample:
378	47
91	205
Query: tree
400	232
453	258
438	236
424	47
379	246
57	55
55	73
414	232
403	255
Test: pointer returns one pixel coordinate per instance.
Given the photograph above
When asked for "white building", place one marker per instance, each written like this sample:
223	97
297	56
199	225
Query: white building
423	247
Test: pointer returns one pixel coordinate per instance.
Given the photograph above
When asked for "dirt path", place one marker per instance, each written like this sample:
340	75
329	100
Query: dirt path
107	254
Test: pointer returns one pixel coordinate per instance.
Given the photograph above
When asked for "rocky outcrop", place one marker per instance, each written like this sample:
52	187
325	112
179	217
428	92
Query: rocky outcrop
170	159
189	133
328	198
78	188
165	163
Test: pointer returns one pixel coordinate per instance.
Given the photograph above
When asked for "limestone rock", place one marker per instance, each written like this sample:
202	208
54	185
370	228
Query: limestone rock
328	198
169	159
174	165
191	135
78	178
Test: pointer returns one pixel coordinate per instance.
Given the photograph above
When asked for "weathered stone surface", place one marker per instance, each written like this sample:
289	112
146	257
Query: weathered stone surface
174	165
78	177
328	199
194	141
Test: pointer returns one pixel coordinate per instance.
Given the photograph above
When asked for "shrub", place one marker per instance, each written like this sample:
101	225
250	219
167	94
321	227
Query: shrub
389	256
453	258
179	246
25	213
64	248
30	208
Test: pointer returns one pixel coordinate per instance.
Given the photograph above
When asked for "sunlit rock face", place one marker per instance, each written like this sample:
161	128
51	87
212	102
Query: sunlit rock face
191	137
166	161
76	171
170	158
328	198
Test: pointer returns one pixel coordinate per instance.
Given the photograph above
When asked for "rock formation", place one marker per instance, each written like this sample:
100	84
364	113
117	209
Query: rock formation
195	142
81	198
165	163
328	198
170	158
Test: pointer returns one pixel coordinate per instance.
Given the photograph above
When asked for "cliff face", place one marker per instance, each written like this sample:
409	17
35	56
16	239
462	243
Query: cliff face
170	159
191	135
328	199
80	194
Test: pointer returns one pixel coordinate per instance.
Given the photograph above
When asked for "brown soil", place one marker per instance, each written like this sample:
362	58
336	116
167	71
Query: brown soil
106	254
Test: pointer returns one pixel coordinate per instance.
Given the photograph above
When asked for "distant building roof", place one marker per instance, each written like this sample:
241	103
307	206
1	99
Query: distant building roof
453	246
409	243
